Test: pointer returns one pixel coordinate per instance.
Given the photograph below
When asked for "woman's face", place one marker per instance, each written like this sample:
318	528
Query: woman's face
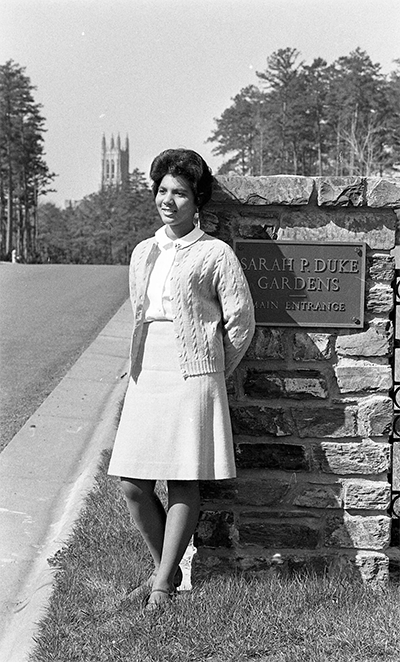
176	205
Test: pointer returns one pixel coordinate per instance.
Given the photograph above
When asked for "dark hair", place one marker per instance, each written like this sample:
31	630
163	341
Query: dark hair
183	163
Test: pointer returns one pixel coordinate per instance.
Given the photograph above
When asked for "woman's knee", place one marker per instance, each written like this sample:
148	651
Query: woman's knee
183	490
137	490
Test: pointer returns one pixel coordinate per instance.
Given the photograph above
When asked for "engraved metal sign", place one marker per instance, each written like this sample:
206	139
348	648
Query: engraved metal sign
293	283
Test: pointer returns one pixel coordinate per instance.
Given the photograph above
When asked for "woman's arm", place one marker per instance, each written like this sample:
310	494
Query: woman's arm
237	309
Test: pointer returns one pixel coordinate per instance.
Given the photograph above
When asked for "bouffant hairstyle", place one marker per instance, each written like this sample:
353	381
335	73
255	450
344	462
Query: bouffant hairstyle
183	163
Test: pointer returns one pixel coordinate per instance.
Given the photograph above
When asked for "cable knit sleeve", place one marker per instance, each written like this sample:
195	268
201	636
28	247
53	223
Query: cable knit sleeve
132	278
237	308
137	266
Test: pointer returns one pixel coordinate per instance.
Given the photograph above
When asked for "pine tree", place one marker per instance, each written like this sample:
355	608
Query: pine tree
283	84
239	133
24	174
357	114
314	79
319	119
391	152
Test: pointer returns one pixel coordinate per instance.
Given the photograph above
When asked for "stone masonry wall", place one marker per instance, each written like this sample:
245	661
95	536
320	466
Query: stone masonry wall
311	408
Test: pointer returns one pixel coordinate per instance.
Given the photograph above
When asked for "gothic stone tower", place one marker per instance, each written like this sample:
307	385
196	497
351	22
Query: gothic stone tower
114	162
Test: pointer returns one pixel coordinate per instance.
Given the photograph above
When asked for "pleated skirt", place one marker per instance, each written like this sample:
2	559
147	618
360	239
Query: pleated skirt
172	428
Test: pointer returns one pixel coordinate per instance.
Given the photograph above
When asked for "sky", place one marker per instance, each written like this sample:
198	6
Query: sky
161	71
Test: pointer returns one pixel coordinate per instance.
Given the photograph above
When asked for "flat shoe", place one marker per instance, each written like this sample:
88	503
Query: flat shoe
152	606
143	588
148	584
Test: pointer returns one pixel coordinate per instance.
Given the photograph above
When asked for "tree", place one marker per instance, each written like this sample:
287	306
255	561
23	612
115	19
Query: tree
318	119
391	148
315	79
101	229
24	174
357	114
260	130
283	84
239	132
53	236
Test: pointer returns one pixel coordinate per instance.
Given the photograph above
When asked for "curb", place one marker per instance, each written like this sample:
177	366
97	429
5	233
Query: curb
47	470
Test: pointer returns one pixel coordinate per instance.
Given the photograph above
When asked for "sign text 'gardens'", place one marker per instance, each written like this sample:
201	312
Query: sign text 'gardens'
305	284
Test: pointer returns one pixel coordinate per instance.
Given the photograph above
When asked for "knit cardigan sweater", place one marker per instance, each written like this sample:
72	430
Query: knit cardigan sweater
212	309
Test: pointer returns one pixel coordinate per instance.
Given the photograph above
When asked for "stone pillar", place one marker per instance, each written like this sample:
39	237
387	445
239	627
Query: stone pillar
311	408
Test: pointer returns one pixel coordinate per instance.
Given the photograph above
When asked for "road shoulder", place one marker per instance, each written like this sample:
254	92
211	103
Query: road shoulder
45	473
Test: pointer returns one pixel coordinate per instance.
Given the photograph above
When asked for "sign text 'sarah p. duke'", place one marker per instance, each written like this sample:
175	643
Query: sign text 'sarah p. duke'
305	284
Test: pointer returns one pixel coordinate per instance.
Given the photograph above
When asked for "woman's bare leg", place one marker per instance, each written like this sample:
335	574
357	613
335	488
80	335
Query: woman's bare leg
166	535
148	514
182	517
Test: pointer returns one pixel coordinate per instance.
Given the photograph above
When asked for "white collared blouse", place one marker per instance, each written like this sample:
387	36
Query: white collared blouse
157	305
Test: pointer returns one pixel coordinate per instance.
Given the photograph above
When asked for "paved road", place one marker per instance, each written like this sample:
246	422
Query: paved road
49	314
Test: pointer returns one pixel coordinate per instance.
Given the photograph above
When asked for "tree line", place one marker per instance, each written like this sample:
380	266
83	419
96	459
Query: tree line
320	119
24	175
103	228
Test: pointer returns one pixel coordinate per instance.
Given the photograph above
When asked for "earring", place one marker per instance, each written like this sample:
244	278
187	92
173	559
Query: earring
197	218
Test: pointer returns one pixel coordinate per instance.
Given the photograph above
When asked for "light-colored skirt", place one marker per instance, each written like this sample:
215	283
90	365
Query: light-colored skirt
172	428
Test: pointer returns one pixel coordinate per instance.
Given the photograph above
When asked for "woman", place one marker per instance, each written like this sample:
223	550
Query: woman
193	321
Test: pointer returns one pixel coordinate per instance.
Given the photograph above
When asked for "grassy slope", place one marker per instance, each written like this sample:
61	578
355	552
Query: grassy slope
92	619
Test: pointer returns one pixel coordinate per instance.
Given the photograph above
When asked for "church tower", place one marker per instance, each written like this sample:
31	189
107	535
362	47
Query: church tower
114	162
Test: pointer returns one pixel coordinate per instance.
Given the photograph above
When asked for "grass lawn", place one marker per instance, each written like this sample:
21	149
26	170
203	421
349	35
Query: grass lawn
91	617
